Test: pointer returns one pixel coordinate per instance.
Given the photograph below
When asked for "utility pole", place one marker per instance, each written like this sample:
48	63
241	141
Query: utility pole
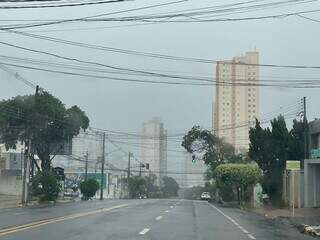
140	168
86	167
36	107
102	164
129	167
128	177
305	125
26	169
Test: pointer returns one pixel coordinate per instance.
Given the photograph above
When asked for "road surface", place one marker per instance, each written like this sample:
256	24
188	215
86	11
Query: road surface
139	219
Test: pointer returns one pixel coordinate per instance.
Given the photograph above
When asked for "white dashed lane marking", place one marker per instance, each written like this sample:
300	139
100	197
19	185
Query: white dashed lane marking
250	236
166	210
158	218
171	206
144	231
234	222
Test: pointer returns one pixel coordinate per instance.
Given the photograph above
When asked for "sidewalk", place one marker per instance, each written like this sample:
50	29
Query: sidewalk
287	212
9	201
306	220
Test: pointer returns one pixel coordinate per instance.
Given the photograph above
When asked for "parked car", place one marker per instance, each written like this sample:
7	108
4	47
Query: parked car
205	196
71	193
142	196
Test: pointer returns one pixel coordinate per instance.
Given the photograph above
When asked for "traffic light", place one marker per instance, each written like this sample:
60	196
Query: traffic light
193	159
147	166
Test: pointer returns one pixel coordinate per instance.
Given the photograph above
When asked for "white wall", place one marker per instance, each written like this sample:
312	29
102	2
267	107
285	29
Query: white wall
10	185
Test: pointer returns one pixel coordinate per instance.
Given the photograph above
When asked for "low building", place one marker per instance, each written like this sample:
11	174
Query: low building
312	167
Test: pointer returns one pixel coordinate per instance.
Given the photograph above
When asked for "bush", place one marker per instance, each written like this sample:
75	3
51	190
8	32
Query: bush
89	188
46	186
239	177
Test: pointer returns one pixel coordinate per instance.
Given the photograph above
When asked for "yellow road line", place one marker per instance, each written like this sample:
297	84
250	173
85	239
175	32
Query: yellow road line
36	224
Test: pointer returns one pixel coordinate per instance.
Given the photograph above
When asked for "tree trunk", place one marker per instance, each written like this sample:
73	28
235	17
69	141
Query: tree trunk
238	195
45	161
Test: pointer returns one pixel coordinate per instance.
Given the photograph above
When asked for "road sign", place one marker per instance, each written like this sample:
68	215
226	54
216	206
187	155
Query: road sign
293	165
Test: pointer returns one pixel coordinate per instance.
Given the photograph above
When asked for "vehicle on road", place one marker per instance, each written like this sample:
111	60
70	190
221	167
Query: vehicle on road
71	193
205	196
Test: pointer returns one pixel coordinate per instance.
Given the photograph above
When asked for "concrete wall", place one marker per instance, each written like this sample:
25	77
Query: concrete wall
312	182
11	185
296	190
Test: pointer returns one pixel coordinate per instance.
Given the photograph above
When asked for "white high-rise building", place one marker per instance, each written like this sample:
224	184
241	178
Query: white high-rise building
236	106
154	147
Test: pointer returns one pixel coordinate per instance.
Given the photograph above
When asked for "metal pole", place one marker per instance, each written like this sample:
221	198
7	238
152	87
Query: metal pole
305	134
86	168
293	197
128	177
102	165
129	167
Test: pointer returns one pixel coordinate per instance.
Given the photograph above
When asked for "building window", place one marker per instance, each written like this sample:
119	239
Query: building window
249	95
249	105
249	73
249	89
253	73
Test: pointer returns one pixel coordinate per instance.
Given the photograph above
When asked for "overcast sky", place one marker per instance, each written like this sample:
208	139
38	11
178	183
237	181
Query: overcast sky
124	106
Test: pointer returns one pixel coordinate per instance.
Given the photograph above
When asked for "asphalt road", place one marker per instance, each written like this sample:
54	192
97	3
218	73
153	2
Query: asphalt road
139	219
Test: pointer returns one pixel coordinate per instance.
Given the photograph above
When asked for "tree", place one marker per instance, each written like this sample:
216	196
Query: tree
89	188
151	183
137	186
238	177
46	186
269	149
296	140
213	150
170	187
44	120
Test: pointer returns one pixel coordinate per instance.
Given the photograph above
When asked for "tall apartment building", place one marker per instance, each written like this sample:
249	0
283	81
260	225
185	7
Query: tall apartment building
235	106
154	147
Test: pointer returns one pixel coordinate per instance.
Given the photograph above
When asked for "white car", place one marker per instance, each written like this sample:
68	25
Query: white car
205	196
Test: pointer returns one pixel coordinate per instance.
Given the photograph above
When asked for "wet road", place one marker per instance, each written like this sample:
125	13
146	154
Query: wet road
139	219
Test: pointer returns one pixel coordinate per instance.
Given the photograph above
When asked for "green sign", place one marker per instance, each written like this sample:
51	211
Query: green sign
315	153
293	165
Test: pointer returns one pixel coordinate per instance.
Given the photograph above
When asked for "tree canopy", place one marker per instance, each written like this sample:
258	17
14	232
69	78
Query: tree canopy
44	120
137	186
238	176
211	149
270	148
170	187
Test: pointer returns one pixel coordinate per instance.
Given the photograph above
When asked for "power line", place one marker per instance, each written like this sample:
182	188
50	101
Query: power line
63	5
154	55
